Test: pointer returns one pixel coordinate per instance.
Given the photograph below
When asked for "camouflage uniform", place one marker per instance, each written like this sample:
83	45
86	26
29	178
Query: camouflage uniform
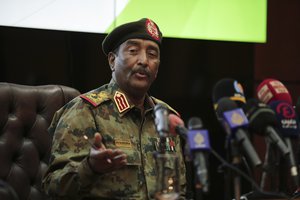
107	111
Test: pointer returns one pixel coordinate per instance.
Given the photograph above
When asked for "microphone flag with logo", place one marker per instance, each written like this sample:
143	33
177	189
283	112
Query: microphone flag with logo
289	128
234	122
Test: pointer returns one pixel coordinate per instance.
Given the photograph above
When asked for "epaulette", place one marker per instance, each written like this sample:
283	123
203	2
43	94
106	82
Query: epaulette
157	101
95	98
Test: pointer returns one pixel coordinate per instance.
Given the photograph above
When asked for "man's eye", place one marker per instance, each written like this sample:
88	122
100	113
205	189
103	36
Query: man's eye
132	50
152	53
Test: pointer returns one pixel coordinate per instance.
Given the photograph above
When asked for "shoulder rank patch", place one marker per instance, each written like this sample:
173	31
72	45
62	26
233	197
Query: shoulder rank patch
121	101
95	98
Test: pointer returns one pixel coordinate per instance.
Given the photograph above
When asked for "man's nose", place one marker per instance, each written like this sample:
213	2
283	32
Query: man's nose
143	59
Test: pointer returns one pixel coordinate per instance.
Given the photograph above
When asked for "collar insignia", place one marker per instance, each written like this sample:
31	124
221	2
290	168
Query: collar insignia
121	101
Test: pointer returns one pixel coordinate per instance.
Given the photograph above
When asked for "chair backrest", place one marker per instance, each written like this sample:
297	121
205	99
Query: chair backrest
25	115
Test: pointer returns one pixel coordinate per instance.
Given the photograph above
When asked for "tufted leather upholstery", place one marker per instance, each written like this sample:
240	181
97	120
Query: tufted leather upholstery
25	115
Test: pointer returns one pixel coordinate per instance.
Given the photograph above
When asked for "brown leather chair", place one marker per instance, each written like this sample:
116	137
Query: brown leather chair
25	115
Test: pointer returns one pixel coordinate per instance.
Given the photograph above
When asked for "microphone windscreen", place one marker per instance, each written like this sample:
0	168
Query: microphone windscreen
271	90
161	113
259	115
229	112
228	88
287	118
195	123
224	104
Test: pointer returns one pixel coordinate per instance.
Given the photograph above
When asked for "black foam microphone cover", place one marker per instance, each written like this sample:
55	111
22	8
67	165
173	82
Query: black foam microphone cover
231	88
263	121
259	115
224	104
195	123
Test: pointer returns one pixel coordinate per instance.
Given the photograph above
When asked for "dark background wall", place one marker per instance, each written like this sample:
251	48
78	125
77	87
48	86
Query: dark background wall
189	68
280	56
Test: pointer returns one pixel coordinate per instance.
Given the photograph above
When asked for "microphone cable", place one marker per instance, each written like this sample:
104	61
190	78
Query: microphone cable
246	177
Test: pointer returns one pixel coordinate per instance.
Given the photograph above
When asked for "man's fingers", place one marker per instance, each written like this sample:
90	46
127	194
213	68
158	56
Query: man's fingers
118	158
106	160
118	155
113	156
102	155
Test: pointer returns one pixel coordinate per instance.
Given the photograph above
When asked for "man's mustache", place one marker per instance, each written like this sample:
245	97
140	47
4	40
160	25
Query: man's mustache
142	70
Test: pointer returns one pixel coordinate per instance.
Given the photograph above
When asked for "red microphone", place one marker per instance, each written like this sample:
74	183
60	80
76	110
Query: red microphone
176	127
274	93
271	90
175	124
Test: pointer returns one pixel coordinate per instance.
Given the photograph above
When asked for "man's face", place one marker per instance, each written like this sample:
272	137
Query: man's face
135	65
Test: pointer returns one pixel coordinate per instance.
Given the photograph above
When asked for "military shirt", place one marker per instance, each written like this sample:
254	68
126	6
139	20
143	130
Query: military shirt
106	110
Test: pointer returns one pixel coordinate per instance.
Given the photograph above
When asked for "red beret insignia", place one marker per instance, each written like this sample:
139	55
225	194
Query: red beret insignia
152	29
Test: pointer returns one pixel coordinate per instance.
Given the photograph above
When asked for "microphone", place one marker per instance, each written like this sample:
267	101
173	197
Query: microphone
271	89
234	121
161	113
228	88
262	120
289	128
199	144
177	128
161	119
297	107
274	93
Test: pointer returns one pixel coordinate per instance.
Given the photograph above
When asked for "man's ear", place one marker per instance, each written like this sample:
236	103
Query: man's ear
111	60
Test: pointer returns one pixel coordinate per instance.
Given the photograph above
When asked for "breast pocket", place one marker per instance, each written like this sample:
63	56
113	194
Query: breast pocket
133	157
125	182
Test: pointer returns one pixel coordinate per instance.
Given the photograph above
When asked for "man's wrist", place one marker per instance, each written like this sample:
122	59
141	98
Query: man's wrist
88	160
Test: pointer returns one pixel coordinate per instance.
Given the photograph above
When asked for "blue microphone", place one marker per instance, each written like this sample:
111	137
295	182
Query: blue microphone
235	123
199	144
287	118
288	126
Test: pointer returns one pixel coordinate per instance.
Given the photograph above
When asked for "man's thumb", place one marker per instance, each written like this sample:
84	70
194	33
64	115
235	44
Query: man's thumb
97	140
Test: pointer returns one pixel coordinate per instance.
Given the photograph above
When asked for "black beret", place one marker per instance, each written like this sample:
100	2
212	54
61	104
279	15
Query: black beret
142	29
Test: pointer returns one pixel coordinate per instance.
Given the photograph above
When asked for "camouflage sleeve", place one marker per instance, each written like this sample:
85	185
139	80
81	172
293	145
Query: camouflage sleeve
182	172
69	173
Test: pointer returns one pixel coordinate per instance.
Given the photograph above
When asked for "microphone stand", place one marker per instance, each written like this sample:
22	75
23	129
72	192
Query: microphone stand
192	178
236	161
265	167
198	190
198	186
292	164
189	172
234	157
269	168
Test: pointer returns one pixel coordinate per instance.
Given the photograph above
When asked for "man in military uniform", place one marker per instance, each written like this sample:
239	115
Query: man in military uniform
104	140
